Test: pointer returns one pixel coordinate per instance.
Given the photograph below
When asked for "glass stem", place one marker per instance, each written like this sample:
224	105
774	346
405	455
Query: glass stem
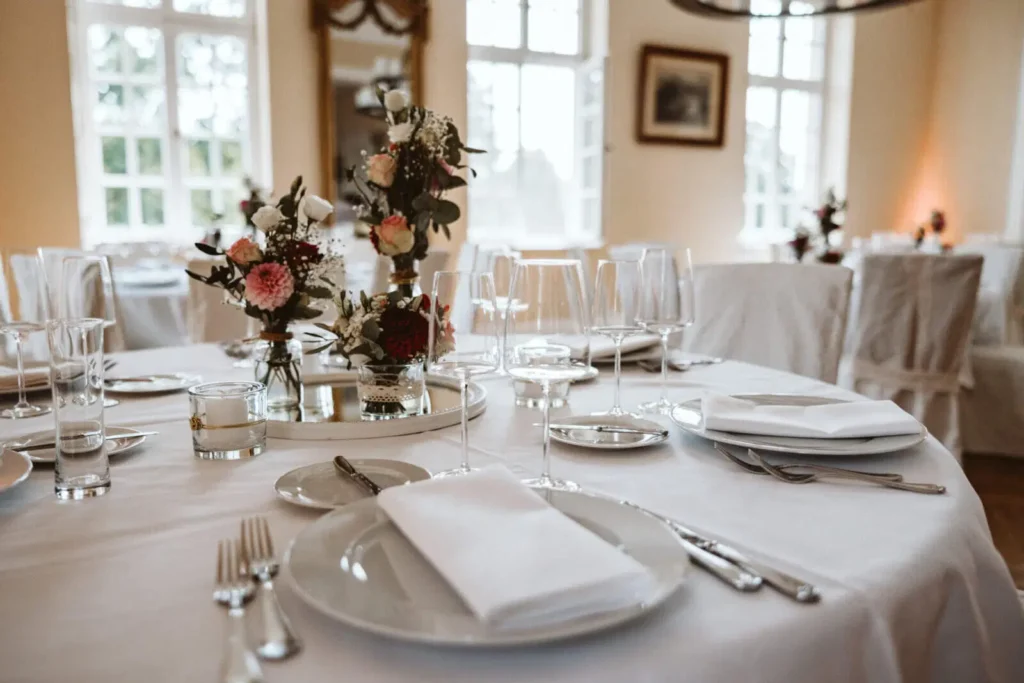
545	474
664	367
464	391
616	407
19	353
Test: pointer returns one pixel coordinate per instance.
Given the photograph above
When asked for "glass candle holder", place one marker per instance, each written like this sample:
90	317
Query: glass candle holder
530	395
387	392
229	420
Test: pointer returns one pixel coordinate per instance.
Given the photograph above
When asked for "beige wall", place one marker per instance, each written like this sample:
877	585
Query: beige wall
966	168
890	106
686	195
37	154
37	161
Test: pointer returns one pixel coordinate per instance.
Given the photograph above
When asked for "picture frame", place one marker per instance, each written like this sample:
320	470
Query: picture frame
682	97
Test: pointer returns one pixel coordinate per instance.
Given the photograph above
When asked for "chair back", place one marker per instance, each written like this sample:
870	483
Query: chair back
999	318
913	326
784	316
208	316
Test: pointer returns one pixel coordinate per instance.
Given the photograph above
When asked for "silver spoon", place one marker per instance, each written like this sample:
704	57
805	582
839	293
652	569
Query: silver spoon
933	489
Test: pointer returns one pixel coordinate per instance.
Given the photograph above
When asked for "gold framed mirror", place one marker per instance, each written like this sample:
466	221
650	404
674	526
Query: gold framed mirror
362	44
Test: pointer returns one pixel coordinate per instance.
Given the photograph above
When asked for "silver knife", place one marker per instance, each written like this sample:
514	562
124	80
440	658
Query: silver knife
53	444
606	429
348	469
788	585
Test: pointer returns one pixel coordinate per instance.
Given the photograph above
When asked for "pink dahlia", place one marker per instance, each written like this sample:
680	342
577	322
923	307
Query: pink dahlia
268	286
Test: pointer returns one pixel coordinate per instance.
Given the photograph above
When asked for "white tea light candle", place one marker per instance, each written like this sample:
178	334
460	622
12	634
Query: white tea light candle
229	420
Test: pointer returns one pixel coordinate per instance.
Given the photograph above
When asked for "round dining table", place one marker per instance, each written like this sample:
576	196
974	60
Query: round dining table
120	588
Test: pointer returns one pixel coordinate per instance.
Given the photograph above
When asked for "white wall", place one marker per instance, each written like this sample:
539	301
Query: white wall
686	195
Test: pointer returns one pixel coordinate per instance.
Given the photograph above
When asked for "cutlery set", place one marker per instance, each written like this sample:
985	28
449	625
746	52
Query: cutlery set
246	568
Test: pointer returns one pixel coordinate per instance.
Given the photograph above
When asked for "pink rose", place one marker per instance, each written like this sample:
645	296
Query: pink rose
380	169
268	286
394	236
244	251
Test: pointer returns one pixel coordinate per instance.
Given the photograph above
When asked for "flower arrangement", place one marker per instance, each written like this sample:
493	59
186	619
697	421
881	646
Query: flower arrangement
937	225
278	275
404	184
800	244
827	216
388	328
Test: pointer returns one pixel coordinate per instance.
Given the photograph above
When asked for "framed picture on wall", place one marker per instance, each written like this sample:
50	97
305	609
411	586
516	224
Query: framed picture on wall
681	97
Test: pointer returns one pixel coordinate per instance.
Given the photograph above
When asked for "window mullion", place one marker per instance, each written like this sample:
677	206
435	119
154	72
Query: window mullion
175	205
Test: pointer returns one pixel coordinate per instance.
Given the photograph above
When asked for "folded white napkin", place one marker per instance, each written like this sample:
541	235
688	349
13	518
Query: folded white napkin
604	347
516	561
34	377
853	419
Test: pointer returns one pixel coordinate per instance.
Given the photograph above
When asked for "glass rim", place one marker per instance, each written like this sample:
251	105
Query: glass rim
63	323
547	262
246	390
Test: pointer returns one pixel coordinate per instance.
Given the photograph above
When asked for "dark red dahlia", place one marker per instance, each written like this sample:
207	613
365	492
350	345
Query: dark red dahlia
403	334
304	252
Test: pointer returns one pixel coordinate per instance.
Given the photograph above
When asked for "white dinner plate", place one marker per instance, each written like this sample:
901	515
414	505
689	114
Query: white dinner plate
607	441
155	383
14	469
688	416
129	441
354	565
591	374
319	486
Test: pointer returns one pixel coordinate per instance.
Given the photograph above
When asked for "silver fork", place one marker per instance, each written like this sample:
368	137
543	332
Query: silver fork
278	640
805	477
235	590
933	489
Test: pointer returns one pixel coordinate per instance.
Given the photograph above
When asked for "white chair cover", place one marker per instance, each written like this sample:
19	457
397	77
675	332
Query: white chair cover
999	318
209	317
785	316
992	411
911	338
634	250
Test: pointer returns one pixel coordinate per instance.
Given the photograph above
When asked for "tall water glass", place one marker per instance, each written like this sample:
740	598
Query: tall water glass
463	337
76	370
667	307
500	263
546	337
616	311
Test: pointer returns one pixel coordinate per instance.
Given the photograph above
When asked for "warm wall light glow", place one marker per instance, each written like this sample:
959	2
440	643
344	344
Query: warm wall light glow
925	194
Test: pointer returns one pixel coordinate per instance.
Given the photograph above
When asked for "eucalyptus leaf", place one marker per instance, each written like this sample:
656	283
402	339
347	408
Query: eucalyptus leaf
447	212
208	249
319	293
371	330
197	276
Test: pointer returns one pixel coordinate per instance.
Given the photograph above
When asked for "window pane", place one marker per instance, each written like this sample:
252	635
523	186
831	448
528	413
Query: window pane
548	137
202	207
494	22
761	107
213	97
152	202
150	156
147	107
144	50
798	136
763	58
129	3
105	49
230	158
493	108
109	110
117	205
115	156
803	61
216	8
553	26
199	157
765	7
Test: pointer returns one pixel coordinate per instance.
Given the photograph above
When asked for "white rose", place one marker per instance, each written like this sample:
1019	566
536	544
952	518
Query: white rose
400	132
316	208
267	218
395	100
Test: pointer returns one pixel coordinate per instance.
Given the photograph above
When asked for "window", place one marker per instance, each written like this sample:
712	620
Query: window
535	104
164	94
784	116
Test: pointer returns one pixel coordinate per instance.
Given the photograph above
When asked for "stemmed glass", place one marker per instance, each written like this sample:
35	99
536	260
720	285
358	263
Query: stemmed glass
499	263
18	328
616	311
667	307
85	289
463	336
546	337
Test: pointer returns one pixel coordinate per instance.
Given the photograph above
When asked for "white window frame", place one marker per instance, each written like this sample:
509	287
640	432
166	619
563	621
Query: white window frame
772	232
575	234
177	226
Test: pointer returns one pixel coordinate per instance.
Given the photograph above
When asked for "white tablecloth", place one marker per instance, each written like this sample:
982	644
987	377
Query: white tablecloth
119	588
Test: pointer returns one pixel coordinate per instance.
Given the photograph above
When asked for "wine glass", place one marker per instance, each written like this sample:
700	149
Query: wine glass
26	279
463	337
667	307
546	337
500	263
616	311
85	289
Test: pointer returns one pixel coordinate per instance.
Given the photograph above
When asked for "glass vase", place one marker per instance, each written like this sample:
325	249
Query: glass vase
404	277
387	392
279	367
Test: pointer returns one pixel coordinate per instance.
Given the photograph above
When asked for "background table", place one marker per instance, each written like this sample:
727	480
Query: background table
119	588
